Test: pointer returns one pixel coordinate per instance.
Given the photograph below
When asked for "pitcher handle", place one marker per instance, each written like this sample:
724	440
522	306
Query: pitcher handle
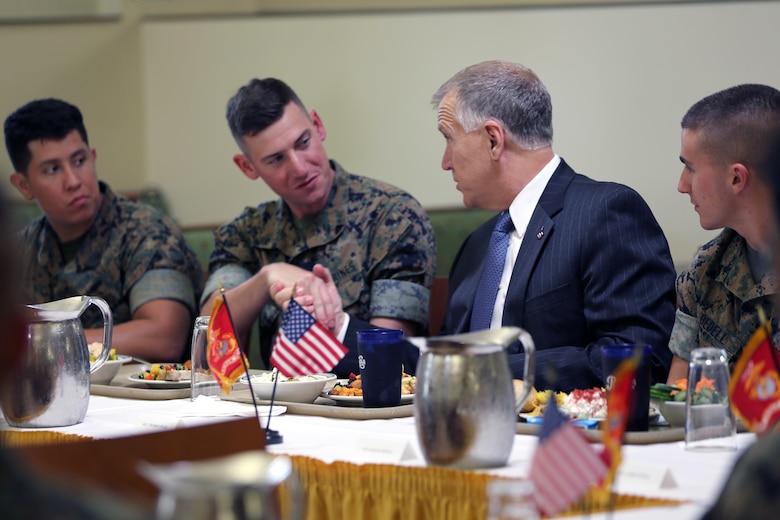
108	327
529	370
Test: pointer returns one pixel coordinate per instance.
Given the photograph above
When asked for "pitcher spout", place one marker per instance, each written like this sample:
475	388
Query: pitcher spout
58	310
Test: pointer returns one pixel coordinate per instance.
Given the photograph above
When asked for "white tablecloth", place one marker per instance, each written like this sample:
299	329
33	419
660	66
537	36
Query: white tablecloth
697	476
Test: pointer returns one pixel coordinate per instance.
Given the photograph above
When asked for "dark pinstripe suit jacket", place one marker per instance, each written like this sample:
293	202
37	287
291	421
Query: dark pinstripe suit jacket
594	268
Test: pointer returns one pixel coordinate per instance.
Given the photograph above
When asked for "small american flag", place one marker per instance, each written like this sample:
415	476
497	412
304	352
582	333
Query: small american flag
564	466
303	345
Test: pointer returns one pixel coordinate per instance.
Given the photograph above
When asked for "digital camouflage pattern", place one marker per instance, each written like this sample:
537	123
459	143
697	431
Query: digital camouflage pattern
375	239
127	242
718	299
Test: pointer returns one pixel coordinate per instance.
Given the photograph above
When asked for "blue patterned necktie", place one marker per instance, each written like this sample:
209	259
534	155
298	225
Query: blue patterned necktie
485	299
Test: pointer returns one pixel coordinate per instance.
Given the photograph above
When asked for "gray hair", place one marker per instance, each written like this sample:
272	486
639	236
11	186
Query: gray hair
508	93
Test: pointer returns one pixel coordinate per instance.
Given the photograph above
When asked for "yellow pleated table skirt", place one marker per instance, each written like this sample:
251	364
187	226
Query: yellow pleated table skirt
342	490
12	438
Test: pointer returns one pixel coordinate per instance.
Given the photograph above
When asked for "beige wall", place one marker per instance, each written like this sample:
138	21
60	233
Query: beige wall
95	65
154	90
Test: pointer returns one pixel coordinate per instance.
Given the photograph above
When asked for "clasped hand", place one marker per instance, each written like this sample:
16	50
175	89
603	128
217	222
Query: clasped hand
316	293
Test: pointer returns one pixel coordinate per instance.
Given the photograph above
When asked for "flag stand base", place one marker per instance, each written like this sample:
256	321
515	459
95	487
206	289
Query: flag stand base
273	437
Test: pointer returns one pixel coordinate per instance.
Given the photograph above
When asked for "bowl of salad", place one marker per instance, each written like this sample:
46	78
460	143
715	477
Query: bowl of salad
303	389
109	370
670	400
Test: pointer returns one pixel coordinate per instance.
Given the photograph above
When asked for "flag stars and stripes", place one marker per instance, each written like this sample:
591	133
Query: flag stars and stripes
304	346
564	466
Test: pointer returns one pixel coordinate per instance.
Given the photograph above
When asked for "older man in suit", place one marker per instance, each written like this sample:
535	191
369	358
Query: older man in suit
582	263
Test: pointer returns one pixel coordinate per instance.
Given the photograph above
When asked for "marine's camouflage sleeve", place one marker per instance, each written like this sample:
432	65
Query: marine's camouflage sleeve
128	242
376	240
719	299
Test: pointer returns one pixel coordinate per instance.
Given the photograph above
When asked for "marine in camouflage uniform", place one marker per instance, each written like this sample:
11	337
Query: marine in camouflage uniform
131	255
718	299
375	239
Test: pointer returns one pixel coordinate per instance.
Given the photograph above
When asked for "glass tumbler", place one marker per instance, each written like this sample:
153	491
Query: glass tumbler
379	359
202	382
709	422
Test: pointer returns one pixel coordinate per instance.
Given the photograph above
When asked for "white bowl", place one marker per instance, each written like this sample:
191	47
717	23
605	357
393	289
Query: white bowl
673	412
109	370
298	391
704	415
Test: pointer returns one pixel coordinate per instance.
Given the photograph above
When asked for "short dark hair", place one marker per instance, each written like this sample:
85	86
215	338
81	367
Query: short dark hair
257	105
737	124
42	119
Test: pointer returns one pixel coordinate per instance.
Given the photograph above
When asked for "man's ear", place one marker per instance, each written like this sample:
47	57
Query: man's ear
245	166
20	182
318	124
739	177
496	138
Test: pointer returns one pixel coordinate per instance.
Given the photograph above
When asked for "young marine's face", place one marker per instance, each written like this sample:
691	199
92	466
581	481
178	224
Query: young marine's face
290	157
61	177
465	155
707	185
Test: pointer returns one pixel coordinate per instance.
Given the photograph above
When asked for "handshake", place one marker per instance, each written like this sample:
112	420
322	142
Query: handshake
314	290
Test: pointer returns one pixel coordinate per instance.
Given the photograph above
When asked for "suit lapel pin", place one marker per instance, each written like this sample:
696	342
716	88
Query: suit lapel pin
540	234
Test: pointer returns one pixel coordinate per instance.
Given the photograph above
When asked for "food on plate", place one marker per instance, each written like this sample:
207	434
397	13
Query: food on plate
704	392
579	404
268	377
543	398
354	386
585	404
408	383
168	372
533	398
664	392
95	348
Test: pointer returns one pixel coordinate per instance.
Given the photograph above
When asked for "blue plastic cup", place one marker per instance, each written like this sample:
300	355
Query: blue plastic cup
379	359
611	357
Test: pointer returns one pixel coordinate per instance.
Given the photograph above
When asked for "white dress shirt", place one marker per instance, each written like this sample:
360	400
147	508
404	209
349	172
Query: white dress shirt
521	210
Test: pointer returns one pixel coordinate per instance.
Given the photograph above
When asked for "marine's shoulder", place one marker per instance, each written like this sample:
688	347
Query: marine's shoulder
360	185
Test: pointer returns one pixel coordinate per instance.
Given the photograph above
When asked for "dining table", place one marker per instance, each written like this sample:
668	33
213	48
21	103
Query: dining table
355	461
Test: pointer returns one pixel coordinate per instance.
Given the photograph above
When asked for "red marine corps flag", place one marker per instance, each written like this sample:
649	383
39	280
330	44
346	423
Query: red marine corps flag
223	353
619	401
754	390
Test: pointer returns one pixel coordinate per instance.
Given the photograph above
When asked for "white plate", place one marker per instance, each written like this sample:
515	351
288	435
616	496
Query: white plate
151	383
653	417
357	400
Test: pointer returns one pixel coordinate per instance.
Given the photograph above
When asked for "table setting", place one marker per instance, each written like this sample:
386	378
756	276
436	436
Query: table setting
432	453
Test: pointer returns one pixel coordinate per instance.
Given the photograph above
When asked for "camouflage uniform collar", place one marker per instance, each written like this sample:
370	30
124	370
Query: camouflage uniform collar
294	235
735	275
109	210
